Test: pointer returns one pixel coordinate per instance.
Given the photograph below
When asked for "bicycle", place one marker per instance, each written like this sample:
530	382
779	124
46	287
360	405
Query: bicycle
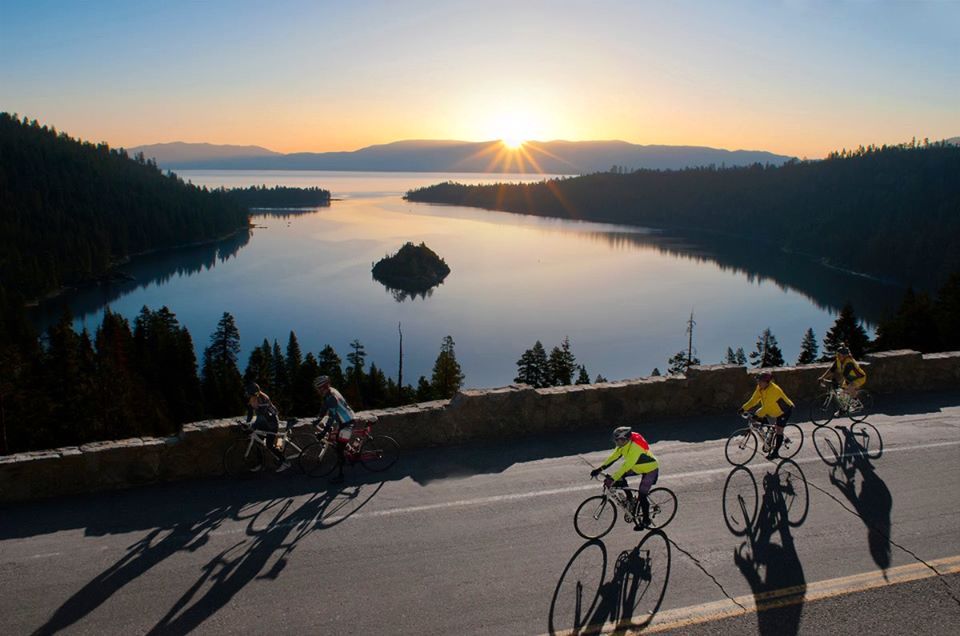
836	403
595	517
250	453
742	445
376	453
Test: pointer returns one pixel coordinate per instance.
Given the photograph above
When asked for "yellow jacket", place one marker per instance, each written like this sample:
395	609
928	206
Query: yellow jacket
772	400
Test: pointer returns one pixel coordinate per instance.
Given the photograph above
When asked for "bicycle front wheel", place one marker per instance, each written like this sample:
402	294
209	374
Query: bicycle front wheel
741	447
823	409
792	441
595	517
663	507
295	446
318	459
379	453
241	458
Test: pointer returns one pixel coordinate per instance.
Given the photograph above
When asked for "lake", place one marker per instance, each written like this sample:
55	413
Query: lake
622	294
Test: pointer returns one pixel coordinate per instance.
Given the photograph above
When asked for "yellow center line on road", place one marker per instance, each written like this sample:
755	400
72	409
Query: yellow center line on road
718	610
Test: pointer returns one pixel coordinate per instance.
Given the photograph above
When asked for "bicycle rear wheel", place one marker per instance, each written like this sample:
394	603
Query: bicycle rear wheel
663	507
792	441
595	517
865	439
741	447
241	458
295	446
318	459
823	409
379	453
861	406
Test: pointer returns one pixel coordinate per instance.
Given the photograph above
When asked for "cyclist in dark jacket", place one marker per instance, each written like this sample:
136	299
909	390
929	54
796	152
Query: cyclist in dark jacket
268	420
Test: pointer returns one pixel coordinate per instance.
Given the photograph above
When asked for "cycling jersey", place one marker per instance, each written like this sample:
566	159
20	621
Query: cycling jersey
850	371
772	400
337	408
637	457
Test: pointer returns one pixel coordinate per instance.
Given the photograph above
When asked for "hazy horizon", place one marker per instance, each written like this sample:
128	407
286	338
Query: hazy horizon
798	78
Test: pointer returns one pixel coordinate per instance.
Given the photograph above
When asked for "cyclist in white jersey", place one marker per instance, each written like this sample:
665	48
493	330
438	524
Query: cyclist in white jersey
337	413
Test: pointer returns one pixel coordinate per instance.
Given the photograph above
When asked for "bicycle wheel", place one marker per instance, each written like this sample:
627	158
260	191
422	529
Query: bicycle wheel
740	501
828	444
865	439
741	447
379	453
792	441
663	507
241	458
861	406
794	492
823	409
294	447
318	459
595	517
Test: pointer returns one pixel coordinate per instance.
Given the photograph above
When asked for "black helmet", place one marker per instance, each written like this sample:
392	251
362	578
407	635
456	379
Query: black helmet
622	433
843	349
252	389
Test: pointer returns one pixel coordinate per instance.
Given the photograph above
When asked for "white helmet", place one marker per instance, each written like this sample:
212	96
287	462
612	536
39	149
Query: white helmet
622	433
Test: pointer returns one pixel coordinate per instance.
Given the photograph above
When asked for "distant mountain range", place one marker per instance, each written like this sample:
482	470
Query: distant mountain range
550	157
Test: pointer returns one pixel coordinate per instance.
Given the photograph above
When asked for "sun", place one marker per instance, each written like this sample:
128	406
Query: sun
513	143
513	128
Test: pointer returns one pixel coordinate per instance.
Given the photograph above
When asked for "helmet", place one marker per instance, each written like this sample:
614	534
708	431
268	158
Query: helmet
621	433
251	389
843	349
765	376
321	381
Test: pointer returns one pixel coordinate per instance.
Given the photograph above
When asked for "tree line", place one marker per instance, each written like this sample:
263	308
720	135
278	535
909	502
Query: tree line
922	323
277	197
891	211
143	379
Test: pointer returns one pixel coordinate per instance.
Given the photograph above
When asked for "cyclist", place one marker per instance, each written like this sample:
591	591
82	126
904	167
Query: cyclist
268	420
769	400
336	412
846	372
638	459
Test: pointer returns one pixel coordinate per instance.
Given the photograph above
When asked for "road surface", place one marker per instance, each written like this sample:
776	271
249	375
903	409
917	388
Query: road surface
479	540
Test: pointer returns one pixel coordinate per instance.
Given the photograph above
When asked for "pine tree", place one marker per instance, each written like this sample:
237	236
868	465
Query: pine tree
914	326
424	390
447	375
947	313
304	399
375	389
532	367
599	379
740	357
294	357
354	377
279	379
730	358
808	348
847	329
222	383
331	366
655	373
583	377
561	365
260	367
768	352
677	364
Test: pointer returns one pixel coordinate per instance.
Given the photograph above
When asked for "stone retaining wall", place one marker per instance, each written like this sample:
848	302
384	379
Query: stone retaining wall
513	411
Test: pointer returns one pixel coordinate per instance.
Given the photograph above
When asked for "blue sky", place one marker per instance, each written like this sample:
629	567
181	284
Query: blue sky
793	77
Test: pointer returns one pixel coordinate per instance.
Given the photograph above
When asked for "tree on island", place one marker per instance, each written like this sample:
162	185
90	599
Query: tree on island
413	269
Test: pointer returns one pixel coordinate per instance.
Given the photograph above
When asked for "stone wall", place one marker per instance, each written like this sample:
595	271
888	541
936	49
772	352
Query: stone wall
513	411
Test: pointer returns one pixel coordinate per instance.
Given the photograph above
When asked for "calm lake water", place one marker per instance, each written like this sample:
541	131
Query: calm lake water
622	294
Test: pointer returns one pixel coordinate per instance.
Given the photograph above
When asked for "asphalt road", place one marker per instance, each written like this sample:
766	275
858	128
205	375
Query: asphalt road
479	540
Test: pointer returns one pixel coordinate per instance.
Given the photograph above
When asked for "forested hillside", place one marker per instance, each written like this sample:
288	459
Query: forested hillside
69	209
892	212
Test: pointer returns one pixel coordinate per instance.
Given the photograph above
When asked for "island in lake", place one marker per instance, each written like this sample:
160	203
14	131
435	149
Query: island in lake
414	269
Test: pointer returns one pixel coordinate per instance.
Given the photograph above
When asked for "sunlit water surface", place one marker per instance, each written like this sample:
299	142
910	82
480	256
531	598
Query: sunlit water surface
622	294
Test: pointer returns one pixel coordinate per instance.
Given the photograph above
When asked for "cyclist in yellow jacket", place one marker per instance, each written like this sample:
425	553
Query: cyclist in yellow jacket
769	400
638	459
846	371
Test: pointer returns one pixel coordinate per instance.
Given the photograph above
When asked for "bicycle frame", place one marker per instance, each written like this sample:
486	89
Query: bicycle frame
351	449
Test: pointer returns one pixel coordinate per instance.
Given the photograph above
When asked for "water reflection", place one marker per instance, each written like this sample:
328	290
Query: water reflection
141	272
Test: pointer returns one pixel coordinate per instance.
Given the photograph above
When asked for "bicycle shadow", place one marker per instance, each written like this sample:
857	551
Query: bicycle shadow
873	503
584	602
271	534
773	570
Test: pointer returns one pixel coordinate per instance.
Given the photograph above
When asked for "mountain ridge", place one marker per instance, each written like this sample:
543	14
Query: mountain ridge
548	157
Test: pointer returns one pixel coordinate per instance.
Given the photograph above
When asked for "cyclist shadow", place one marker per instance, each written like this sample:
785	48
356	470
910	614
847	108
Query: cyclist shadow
873	502
584	601
274	532
265	542
773	570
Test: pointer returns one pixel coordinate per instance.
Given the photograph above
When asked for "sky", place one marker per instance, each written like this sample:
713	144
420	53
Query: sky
794	77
